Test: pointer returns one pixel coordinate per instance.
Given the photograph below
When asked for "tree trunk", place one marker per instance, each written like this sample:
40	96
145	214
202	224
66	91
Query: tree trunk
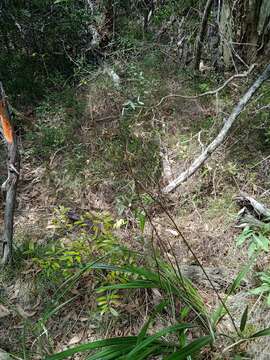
226	33
202	33
244	30
9	187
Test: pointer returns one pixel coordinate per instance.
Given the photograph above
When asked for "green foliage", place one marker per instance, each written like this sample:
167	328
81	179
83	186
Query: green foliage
47	140
171	342
257	238
244	318
221	310
80	242
59	116
128	202
264	288
109	302
134	347
93	234
171	8
204	87
169	281
33	58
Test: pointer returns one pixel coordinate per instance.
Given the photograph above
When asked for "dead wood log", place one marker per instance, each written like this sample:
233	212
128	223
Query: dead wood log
9	187
211	92
197	163
252	212
252	204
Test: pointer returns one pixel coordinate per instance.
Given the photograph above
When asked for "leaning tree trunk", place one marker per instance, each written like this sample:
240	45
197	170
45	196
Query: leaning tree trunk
207	152
9	187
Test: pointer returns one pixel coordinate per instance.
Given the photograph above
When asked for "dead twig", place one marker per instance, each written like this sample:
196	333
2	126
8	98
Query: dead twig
197	163
211	92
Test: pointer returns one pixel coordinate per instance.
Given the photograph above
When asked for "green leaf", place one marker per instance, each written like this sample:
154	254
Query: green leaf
244	319
184	312
268	300
136	284
246	233
220	311
121	341
264	332
265	277
251	249
240	276
152	350
262	241
260	290
165	279
151	339
191	348
145	327
114	312
110	353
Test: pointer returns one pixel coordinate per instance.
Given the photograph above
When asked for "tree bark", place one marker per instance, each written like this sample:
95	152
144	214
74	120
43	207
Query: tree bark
226	34
202	33
197	163
9	187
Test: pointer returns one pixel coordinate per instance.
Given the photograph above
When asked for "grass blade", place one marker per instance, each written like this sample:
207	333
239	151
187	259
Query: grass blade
156	310
122	341
136	284
191	348
264	332
114	352
153	351
220	311
244	319
150	339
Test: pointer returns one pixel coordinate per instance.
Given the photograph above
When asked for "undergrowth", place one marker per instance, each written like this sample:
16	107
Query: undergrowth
109	136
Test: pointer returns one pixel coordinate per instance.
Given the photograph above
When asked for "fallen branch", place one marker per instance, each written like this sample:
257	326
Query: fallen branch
9	187
252	213
252	204
197	163
211	92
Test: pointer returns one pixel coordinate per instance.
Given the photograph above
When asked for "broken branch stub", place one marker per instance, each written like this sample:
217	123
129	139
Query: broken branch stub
199	161
9	187
252	213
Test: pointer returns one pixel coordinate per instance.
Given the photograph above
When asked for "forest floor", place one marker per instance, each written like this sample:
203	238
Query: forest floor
93	149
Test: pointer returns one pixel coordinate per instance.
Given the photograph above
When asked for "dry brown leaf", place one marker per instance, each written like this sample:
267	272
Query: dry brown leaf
75	339
24	314
4	311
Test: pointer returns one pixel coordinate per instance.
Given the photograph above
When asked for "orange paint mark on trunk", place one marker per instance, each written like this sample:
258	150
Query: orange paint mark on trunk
6	126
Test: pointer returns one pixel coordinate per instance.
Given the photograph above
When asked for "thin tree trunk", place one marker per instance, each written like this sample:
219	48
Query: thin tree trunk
9	187
226	34
197	163
202	33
